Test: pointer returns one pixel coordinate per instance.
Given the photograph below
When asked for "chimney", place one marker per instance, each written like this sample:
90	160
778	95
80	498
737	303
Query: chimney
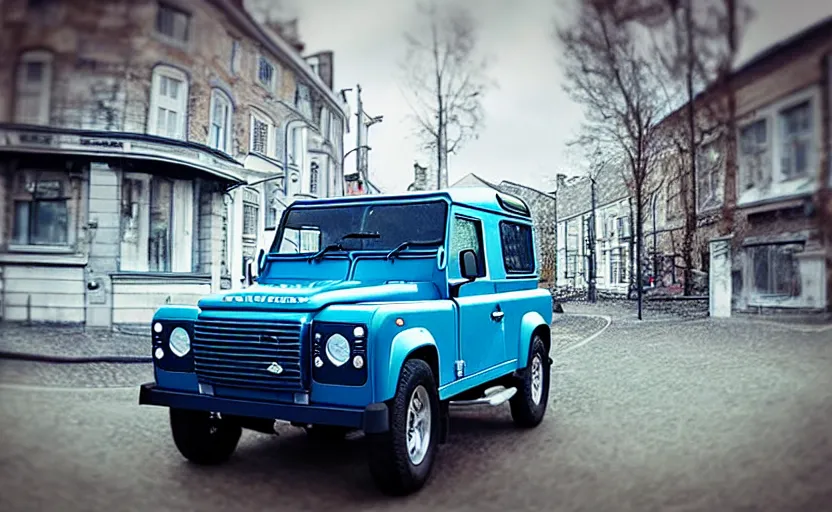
561	180
420	177
288	31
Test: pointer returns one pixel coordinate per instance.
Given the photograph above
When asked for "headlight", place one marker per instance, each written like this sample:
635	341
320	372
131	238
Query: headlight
179	341
338	350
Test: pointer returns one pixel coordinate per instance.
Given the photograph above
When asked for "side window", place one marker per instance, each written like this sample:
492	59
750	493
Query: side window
518	249
466	234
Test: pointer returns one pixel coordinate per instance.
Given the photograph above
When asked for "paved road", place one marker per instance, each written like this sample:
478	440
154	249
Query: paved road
700	415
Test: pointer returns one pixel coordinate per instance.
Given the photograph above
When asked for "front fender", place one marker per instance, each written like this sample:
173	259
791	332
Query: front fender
402	345
531	321
176	313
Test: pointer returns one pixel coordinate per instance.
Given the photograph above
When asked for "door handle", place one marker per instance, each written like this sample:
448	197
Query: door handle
497	315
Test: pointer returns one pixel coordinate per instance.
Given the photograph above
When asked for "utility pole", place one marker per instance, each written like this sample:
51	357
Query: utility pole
359	135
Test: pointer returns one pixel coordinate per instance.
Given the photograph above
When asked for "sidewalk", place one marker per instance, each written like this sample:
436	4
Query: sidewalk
60	344
627	310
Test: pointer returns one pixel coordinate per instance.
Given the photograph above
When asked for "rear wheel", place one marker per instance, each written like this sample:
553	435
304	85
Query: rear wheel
401	459
203	437
528	405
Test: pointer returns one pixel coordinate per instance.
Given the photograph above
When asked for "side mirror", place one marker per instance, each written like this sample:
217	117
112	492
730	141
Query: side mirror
468	264
248	276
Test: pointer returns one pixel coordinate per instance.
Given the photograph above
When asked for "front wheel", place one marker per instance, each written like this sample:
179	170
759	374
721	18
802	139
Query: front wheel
203	437
528	405
401	459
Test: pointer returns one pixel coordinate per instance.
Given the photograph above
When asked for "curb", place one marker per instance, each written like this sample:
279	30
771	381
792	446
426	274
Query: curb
41	358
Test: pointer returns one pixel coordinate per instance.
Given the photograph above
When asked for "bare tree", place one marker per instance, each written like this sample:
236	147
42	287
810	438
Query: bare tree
444	78
698	47
609	71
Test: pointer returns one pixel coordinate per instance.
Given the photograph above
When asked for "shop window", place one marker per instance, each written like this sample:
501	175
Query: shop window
775	269
153	208
41	209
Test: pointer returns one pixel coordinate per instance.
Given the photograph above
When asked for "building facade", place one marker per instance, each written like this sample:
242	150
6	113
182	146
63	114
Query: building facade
759	198
128	134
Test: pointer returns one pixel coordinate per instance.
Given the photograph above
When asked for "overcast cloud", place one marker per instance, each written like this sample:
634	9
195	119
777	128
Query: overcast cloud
529	119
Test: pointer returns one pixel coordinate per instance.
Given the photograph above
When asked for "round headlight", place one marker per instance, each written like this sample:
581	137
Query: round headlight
180	342
157	327
338	350
358	332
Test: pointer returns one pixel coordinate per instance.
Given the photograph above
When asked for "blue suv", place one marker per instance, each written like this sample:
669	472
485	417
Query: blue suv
372	313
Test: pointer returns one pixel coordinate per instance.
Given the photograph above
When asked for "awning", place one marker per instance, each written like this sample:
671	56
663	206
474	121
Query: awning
43	139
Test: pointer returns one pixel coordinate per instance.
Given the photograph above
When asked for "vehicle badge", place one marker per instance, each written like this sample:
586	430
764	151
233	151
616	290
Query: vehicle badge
275	368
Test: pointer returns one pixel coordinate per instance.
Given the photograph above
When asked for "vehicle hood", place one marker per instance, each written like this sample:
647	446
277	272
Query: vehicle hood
313	295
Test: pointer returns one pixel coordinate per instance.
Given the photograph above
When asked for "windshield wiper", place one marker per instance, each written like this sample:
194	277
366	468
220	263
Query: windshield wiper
411	243
338	246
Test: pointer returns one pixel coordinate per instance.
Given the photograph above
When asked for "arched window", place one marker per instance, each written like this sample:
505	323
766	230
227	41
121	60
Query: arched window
34	88
219	135
168	104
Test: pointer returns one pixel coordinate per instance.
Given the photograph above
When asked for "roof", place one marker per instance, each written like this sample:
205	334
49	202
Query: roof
482	198
462	182
575	197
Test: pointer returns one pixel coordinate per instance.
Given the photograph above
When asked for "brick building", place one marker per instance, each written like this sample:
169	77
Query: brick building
128	133
762	237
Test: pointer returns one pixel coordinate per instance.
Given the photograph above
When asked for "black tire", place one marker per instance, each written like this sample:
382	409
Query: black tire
390	463
326	433
202	438
525	410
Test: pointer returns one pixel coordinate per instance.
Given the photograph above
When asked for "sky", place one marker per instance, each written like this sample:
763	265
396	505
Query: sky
529	119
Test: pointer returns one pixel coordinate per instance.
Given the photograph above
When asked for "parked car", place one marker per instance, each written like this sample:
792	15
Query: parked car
373	313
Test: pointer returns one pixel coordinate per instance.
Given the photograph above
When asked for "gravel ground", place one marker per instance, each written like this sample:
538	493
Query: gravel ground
695	416
59	341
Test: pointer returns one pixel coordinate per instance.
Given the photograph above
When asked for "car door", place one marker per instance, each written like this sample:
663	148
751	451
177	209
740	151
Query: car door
481	333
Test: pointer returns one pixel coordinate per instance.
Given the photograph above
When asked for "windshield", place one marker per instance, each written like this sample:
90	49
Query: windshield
308	230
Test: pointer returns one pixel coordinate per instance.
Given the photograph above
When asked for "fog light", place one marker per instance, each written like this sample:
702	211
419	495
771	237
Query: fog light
318	362
358	332
358	362
157	327
159	353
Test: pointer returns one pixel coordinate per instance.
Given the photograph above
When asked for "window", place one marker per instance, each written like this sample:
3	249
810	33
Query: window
34	88
303	100
234	61
622	228
261	135
295	139
41	215
618	265
754	157
172	23
313	178
708	169
220	130
466	234
153	208
325	124
775	270
251	212
518	248
168	104
796	140
265	73
314	64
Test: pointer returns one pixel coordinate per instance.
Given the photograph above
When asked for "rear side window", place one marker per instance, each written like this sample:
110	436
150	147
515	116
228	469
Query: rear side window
466	234
518	249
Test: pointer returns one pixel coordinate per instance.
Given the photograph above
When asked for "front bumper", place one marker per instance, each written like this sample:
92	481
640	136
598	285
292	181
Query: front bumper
372	419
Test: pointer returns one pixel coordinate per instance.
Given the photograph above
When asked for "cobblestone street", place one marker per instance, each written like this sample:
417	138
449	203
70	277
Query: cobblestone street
666	415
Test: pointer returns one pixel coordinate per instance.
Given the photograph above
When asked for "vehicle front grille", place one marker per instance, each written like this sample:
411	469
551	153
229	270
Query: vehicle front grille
238	353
